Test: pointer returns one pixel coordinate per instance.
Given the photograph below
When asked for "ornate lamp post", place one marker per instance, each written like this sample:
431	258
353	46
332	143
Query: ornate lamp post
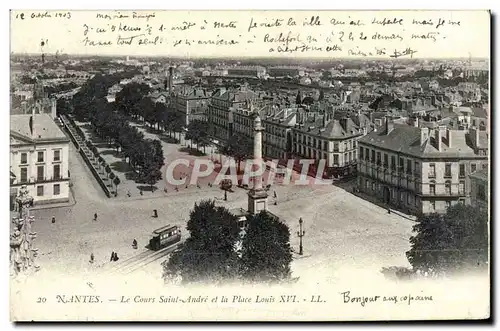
22	253
301	233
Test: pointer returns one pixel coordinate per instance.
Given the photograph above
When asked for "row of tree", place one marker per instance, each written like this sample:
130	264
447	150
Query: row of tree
109	122
218	252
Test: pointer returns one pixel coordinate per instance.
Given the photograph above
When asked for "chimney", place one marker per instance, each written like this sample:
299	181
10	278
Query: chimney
343	123
389	125
438	137
53	108
170	79
424	135
474	137
415	121
448	137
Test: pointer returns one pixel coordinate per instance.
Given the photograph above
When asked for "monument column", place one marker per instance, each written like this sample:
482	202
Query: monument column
257	196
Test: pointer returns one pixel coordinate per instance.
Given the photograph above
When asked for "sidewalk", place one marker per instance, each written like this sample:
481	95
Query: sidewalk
71	202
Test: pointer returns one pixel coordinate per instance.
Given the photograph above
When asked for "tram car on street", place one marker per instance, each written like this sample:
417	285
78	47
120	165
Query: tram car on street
164	237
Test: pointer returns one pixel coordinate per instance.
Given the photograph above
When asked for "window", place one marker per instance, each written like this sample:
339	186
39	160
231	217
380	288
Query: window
325	145
39	191
335	146
432	188
484	166
57	189
417	168
24	175
379	160
393	162
373	156
386	160
447	187
361	153
39	157
432	205
367	156
40	173
24	158
462	170
346	157
335	159
447	170
408	199
481	192
367	184
461	187
373	186
57	171
408	167
354	143
57	155
432	170
472	167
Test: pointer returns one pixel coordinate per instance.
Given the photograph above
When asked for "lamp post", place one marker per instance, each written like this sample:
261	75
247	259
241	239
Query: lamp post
300	233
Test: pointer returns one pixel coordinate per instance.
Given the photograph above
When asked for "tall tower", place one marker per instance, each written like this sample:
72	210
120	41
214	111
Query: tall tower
257	196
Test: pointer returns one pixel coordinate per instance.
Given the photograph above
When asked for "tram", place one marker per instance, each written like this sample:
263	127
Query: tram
164	237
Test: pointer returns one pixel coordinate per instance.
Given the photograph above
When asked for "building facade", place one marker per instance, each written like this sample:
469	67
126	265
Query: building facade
39	158
420	170
191	103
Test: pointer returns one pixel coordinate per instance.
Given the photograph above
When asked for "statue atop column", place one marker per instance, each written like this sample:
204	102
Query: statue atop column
22	253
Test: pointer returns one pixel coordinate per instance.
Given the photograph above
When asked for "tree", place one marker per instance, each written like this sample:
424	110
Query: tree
209	253
108	170
450	242
266	253
197	132
226	185
238	147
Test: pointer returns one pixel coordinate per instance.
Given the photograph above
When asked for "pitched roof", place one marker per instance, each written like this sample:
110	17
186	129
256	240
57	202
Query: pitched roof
45	128
406	139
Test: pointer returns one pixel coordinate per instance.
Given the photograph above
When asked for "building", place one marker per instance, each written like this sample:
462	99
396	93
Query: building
479	189
246	71
286	71
323	136
191	102
418	169
221	108
39	158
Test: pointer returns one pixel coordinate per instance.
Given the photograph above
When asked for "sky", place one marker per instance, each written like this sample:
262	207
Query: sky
299	34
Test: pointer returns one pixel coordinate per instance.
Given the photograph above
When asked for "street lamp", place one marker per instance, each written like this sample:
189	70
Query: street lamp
300	233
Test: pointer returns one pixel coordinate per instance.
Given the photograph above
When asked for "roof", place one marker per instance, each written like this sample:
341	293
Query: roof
44	126
480	174
406	139
479	112
162	229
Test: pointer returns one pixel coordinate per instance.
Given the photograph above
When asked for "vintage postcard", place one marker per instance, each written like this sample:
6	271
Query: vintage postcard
249	165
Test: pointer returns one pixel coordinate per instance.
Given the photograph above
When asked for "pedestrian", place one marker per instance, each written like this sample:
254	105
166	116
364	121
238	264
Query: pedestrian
140	191
91	258
155	213
112	257
388	210
53	219
116	258
134	244
128	194
95	216
176	189
275	195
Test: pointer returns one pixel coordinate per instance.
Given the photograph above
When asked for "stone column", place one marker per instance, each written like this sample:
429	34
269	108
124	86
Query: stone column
257	151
